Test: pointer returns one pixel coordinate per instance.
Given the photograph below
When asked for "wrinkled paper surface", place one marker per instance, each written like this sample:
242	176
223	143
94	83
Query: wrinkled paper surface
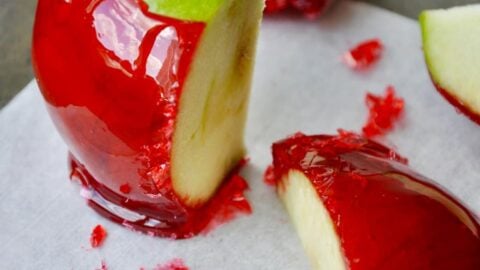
300	84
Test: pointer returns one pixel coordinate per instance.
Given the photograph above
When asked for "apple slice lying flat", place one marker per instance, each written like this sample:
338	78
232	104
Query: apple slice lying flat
356	205
451	43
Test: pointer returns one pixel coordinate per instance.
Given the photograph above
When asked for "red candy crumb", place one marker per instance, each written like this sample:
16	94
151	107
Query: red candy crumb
311	9
383	112
103	266
364	54
125	188
98	236
175	264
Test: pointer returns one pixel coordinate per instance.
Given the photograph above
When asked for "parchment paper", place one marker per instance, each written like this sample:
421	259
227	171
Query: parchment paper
300	84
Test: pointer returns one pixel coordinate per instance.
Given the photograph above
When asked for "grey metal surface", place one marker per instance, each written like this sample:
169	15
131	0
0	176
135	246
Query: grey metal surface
16	20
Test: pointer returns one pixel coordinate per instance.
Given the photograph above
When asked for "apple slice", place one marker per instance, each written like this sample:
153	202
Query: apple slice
356	205
151	97
451	43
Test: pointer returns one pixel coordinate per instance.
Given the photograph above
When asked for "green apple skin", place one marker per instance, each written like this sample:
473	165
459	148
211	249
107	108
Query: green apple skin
188	10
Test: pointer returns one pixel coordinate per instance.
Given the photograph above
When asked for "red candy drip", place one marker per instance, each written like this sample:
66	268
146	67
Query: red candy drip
364	54
175	264
386	216
103	266
112	74
125	188
269	176
311	9
383	112
98	236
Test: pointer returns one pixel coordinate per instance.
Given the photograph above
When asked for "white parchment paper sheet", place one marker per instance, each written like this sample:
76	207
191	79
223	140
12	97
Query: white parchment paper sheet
300	84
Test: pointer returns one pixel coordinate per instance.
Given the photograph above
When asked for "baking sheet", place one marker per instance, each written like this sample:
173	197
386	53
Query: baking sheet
300	84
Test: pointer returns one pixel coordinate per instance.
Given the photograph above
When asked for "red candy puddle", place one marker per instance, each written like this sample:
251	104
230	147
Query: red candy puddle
99	65
98	236
311	9
383	112
364	55
386	216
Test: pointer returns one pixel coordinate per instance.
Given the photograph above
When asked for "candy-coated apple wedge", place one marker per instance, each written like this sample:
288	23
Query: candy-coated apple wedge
451	43
151	97
356	205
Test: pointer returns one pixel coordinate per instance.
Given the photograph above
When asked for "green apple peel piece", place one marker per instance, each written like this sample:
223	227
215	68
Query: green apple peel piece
209	129
188	10
451	43
312	222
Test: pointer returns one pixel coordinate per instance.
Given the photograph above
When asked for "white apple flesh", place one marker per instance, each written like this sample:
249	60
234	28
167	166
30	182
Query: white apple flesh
312	221
208	138
451	43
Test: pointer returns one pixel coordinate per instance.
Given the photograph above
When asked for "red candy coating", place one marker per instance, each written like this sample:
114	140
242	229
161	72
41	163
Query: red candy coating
112	74
386	216
364	54
383	112
272	6
98	236
459	105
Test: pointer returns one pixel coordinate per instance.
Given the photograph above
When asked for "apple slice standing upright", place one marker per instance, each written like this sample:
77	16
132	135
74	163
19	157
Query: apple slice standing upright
451	44
151	97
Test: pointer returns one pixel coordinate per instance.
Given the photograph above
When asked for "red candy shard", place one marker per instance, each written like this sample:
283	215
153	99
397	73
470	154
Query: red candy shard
386	216
383	112
175	264
98	236
364	54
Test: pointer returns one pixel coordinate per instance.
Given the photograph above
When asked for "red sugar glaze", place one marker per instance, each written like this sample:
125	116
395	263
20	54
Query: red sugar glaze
112	75
311	9
98	236
458	104
383	112
386	216
175	264
364	54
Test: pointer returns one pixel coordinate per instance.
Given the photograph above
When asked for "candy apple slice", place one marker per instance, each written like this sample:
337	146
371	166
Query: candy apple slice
356	205
151	98
451	43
